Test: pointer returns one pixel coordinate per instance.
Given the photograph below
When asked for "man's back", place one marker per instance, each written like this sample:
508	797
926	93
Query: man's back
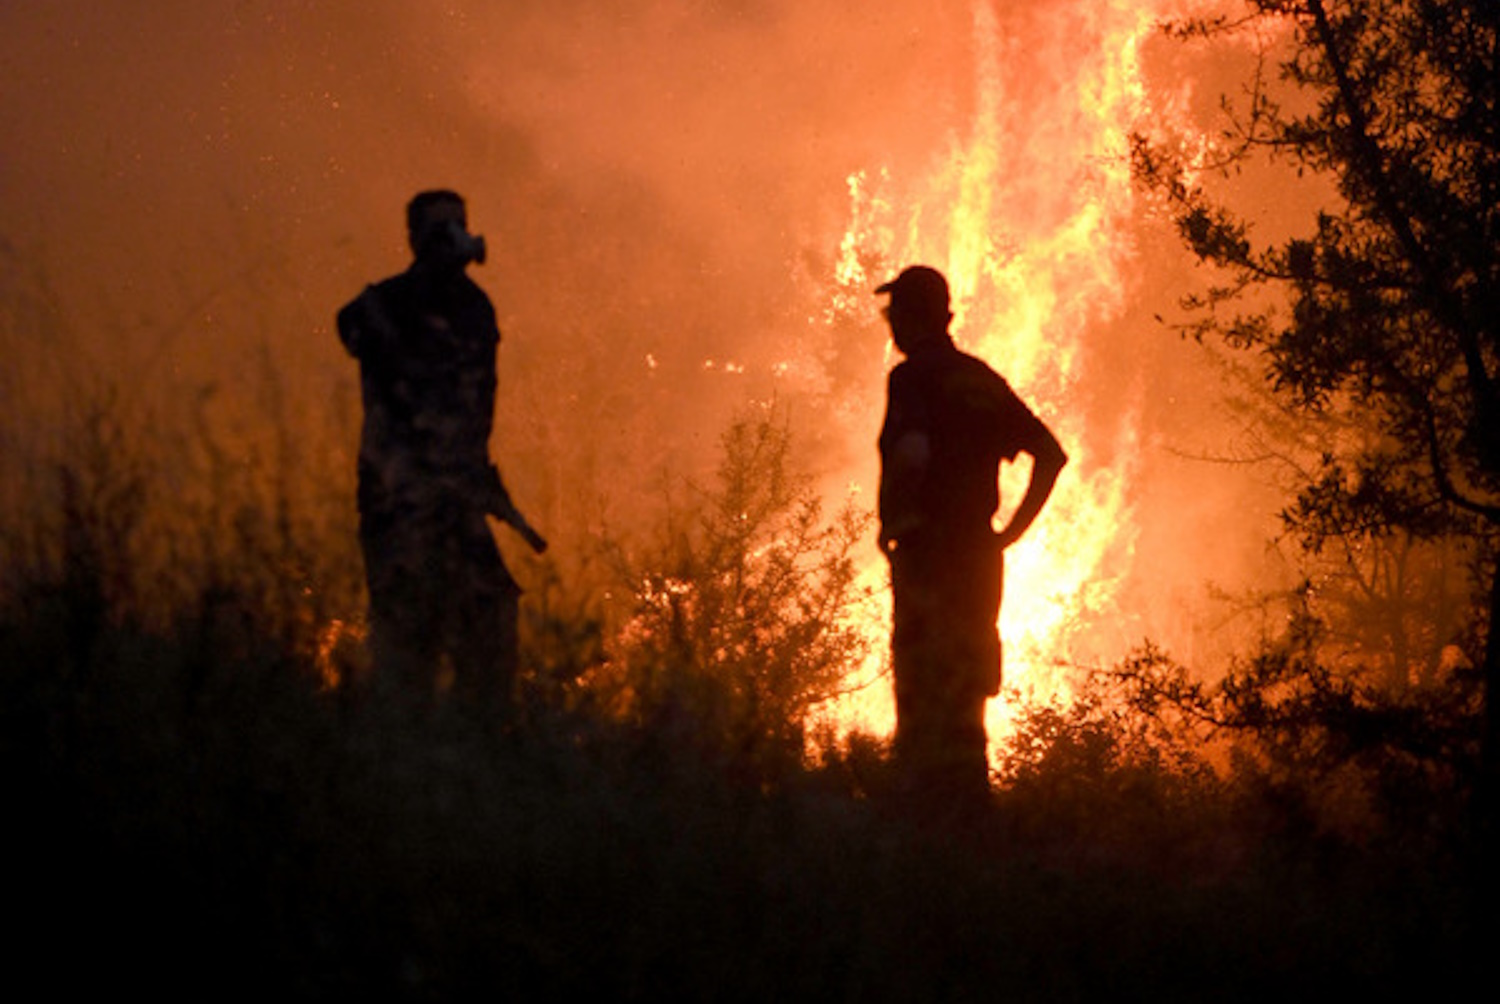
427	375
970	420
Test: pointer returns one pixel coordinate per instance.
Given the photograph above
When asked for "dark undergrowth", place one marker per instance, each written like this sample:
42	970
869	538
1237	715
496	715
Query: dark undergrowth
197	819
203	802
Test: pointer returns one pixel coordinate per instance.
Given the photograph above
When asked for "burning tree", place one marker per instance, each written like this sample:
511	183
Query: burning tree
1391	320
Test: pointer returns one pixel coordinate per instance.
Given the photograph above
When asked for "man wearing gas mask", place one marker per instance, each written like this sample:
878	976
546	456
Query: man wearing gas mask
443	606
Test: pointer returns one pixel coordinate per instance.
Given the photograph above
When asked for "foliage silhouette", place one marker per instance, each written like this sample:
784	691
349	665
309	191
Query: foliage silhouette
194	807
1389	319
741	600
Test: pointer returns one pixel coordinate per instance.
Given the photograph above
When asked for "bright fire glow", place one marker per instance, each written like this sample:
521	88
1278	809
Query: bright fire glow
1028	217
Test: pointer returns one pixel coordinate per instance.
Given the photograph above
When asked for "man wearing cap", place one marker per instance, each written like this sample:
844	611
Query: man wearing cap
950	421
426	343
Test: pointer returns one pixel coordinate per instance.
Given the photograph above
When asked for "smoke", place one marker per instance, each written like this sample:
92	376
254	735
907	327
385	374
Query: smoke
194	186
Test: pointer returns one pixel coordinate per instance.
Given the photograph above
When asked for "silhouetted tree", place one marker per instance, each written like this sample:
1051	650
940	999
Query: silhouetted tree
1391	316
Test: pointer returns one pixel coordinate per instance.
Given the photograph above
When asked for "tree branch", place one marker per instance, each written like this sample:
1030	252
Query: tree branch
1368	161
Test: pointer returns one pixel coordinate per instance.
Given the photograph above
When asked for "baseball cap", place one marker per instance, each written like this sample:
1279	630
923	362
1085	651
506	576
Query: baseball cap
919	286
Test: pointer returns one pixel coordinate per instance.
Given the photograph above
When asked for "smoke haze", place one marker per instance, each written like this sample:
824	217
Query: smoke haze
192	188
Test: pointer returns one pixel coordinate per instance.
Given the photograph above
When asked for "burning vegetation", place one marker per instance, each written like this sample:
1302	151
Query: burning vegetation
1233	754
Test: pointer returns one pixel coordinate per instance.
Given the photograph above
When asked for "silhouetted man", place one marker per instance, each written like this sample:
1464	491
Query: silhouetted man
950	421
426	342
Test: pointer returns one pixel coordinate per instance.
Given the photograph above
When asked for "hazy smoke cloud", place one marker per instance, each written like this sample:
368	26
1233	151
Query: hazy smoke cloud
200	184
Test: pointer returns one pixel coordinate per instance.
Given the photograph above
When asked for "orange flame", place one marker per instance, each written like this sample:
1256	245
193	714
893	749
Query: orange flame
335	640
1029	218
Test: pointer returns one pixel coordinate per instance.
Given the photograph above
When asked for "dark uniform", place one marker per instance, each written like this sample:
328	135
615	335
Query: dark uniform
438	587
950	421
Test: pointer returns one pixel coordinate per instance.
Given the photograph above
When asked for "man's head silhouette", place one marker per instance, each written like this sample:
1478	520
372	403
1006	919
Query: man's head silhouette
918	311
437	230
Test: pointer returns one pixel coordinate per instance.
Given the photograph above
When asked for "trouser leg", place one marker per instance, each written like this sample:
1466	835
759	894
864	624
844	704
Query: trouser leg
942	748
945	651
403	625
481	627
484	652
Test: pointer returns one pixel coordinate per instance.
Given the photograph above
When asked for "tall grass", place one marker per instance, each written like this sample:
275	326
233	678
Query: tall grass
196	812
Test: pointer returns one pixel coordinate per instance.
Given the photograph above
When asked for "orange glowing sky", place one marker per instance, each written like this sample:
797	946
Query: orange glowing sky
666	191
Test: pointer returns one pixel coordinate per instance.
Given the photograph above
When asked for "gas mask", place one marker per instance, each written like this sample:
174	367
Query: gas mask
449	242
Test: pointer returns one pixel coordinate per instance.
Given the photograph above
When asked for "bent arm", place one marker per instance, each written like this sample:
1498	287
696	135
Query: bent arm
1048	460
